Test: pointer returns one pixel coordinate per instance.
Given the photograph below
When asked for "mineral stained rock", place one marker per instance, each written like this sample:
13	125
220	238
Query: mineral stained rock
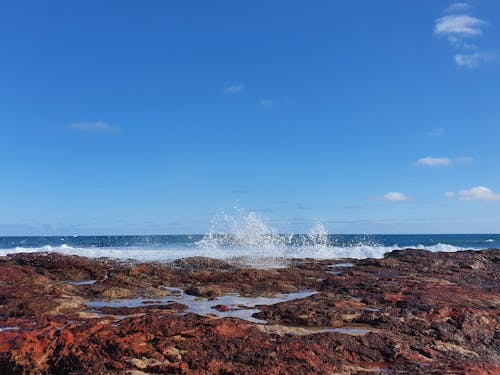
413	312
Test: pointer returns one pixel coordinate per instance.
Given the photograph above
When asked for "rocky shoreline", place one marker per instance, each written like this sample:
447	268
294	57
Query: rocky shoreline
412	312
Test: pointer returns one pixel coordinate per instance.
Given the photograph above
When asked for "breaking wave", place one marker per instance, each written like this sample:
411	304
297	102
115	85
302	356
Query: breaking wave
359	251
248	236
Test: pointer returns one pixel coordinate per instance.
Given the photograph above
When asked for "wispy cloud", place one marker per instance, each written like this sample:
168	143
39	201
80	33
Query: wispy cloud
459	25
471	60
98	126
430	161
478	193
234	89
394	196
267	103
458	7
456	28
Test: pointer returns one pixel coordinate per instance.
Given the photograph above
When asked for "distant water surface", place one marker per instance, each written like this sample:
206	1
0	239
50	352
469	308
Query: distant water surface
313	245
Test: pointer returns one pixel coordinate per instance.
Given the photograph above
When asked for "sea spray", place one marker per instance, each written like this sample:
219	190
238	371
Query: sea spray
316	242
171	249
247	236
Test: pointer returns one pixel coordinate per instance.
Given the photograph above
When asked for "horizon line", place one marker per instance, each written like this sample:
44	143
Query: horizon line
280	234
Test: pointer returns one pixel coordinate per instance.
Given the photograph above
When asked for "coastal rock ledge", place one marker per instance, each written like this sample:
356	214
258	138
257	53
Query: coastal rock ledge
412	312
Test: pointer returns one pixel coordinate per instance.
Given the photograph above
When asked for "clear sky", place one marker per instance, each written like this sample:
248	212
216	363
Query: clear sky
130	117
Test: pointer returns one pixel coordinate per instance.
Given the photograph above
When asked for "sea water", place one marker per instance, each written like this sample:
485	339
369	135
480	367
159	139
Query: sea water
246	235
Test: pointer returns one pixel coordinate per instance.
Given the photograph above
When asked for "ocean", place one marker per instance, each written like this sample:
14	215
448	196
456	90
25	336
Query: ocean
315	244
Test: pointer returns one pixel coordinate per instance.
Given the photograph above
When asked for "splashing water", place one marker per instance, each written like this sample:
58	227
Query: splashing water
248	235
248	238
319	235
316	242
243	234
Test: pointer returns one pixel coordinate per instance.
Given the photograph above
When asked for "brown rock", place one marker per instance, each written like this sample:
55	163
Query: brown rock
412	312
222	308
393	297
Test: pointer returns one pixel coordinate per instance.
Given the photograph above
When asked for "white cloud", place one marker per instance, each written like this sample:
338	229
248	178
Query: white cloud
394	196
98	126
267	103
234	89
471	60
449	194
429	161
459	25
468	46
458	43
458	7
478	193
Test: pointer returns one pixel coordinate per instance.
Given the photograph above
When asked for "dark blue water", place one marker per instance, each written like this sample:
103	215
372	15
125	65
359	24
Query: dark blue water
177	246
472	241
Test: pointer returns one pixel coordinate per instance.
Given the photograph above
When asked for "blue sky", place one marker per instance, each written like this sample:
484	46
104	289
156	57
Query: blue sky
124	117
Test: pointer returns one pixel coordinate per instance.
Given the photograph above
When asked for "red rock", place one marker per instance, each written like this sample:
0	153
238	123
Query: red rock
393	297
222	308
426	313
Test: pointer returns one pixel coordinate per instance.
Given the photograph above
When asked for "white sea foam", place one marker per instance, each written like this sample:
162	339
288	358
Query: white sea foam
133	252
248	234
243	235
250	252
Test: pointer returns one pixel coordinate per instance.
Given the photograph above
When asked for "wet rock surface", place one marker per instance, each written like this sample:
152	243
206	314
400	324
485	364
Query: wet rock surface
411	312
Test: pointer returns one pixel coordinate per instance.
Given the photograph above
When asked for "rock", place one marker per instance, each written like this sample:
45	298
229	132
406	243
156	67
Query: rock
118	293
167	308
212	290
222	308
204	264
393	297
411	312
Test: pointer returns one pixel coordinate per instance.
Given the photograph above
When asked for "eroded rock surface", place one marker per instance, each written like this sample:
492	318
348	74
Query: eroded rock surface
411	312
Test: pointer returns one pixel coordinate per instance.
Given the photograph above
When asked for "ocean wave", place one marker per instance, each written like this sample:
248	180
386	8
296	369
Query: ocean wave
363	251
138	253
359	251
